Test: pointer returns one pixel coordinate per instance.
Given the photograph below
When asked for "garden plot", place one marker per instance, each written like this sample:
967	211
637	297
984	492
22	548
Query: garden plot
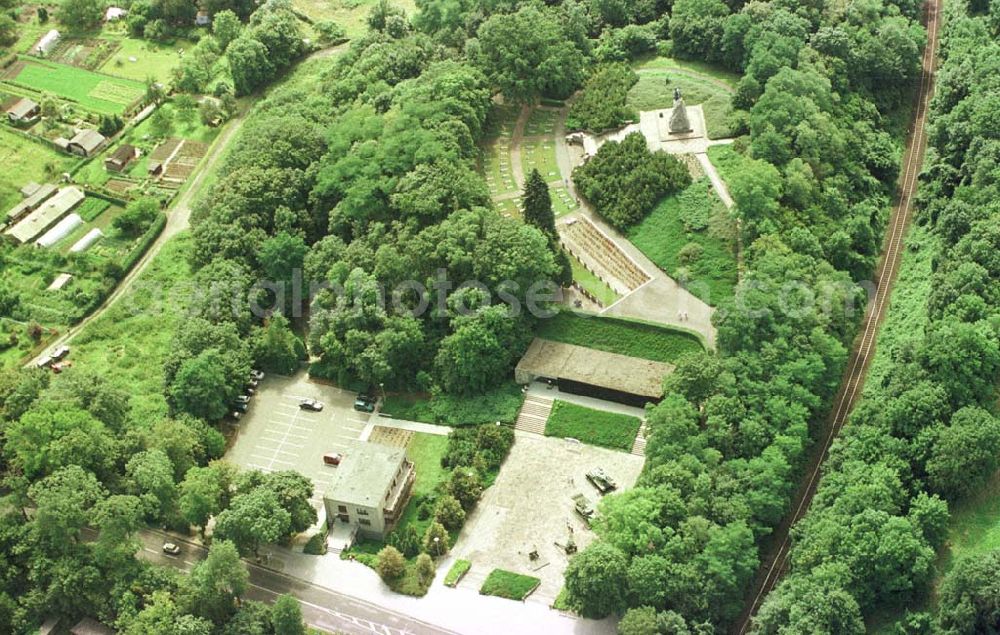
496	159
87	53
183	163
96	92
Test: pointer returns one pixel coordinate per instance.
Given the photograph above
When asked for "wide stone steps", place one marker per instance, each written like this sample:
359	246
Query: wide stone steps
534	413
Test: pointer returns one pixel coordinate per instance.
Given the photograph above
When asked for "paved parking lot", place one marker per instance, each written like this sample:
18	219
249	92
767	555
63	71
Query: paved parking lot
275	434
531	506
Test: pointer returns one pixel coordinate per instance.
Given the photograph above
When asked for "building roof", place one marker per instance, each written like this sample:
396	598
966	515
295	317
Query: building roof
29	188
365	474
632	375
88	139
21	108
38	195
89	626
124	153
47	41
42	218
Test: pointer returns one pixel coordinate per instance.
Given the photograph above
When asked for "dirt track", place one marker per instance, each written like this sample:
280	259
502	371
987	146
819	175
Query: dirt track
775	562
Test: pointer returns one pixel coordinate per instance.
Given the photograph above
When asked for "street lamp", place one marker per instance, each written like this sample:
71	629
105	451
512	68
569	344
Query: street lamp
381	387
437	548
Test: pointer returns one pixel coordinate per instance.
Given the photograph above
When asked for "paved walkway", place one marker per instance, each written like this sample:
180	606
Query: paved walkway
379	419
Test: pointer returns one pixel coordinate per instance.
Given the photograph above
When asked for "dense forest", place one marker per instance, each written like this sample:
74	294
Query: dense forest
363	175
928	434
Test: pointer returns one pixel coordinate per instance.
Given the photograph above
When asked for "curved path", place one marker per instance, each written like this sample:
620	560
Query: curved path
775	563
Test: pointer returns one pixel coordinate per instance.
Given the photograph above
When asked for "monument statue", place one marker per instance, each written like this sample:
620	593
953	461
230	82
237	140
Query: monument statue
679	123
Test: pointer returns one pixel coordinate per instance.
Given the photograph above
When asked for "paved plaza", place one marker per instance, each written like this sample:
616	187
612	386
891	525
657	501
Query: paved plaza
530	507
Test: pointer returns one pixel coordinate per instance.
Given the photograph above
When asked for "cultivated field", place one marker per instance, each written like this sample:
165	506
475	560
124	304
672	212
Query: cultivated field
350	14
93	91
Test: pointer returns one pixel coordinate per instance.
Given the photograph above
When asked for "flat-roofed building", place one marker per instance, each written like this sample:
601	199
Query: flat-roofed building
588	371
48	214
370	488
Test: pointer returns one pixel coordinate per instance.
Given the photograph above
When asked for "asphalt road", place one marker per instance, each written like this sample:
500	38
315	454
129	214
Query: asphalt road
321	608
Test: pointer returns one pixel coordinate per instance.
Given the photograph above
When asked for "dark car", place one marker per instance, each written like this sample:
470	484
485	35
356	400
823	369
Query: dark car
333	458
256	375
364	403
312	405
243	399
241	407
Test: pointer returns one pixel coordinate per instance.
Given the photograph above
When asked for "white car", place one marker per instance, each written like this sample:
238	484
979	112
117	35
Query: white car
311	404
171	549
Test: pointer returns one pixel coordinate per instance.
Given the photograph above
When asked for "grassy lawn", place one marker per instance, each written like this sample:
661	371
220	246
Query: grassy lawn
615	335
495	162
540	154
458	569
502	404
652	92
99	93
151	59
131	341
510	585
24	160
671	226
594	285
654	62
509	207
350	14
595	427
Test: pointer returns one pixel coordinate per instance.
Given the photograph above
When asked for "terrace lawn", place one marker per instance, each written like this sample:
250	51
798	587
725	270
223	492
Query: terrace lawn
595	427
93	91
152	59
663	233
594	285
615	335
24	160
689	66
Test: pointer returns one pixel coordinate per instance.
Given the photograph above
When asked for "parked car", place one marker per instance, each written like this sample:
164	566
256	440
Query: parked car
59	367
60	352
252	384
235	415
333	458
241	407
44	362
243	399
256	375
364	403
311	404
170	548
599	478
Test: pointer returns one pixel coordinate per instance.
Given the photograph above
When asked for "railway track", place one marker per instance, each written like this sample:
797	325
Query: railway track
776	563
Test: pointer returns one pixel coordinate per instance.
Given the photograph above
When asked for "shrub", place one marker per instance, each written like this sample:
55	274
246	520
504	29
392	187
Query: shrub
330	32
441	545
316	545
425	568
458	569
466	485
625	180
449	512
391	564
601	104
690	253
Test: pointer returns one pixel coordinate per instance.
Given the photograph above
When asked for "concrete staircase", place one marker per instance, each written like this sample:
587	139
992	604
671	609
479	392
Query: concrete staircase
534	413
639	445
